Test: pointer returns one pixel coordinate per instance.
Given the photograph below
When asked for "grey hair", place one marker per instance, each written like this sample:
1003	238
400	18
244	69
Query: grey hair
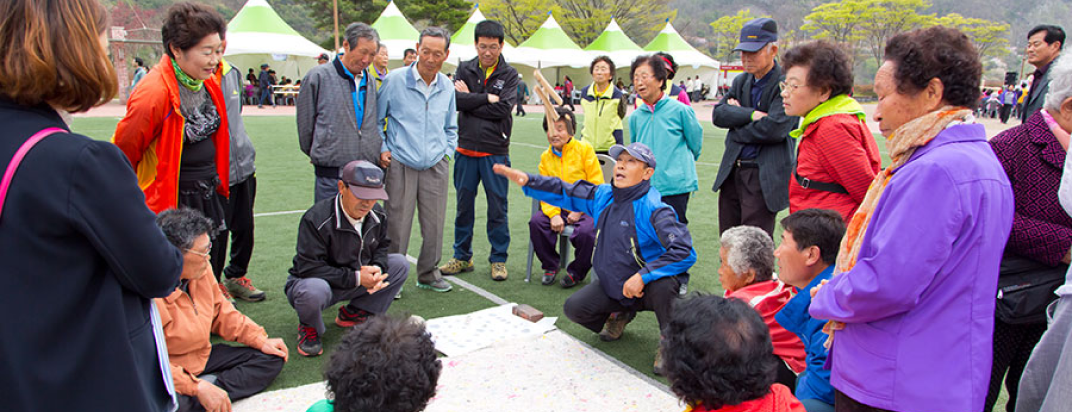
380	46
749	247
435	32
182	226
361	31
1060	82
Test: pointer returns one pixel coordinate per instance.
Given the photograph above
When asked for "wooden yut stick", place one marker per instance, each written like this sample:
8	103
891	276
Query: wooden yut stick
548	108
547	86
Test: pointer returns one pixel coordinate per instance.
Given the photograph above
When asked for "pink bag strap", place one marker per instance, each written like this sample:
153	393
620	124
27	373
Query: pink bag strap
19	154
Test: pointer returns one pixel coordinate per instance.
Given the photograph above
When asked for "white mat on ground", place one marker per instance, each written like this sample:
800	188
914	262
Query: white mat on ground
461	334
552	372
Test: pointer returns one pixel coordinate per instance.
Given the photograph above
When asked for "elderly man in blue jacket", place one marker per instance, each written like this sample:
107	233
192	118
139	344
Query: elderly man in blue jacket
641	246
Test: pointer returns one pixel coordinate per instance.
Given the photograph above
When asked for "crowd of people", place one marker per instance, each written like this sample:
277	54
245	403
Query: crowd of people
878	296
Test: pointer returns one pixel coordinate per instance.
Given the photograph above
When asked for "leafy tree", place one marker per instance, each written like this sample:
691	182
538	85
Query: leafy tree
728	31
989	37
582	20
447	13
840	23
520	18
882	19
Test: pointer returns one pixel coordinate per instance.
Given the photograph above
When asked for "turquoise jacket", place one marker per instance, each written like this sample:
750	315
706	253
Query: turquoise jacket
675	137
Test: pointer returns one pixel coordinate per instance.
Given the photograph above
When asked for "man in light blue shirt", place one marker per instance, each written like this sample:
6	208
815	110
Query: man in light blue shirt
417	105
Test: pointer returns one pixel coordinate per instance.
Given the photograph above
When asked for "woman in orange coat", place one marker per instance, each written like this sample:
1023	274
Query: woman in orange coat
175	131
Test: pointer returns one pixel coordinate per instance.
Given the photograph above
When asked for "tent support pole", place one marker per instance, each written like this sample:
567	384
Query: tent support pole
335	14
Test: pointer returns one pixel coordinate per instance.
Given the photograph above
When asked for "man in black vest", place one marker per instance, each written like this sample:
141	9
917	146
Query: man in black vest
753	178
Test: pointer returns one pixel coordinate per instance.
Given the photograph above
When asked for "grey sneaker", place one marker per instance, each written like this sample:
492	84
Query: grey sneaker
455	266
615	326
498	271
399	294
242	288
437	286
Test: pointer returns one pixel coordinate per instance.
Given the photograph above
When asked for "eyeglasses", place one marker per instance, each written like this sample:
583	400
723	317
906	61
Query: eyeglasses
208	251
789	88
643	76
485	47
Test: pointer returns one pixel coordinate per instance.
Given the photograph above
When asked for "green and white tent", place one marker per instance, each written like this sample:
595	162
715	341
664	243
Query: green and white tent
395	32
614	43
463	45
257	35
549	46
669	41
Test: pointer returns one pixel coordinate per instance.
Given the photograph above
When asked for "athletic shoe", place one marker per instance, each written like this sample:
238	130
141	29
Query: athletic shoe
455	266
349	318
615	326
658	367
242	288
549	278
226	293
568	281
309	341
498	271
399	294
439	285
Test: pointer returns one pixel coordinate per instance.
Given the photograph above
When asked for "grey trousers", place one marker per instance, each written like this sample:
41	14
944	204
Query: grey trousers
325	188
425	191
310	296
1046	384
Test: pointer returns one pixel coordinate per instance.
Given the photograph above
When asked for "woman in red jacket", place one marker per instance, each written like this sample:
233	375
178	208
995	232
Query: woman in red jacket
837	158
175	130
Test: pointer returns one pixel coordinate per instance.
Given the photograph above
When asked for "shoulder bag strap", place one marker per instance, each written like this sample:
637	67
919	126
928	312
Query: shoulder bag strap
19	155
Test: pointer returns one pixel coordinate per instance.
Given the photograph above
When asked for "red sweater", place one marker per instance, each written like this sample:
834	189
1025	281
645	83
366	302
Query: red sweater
768	298
779	399
835	149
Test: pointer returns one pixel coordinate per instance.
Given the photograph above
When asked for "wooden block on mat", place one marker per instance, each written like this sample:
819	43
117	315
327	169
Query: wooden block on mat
528	313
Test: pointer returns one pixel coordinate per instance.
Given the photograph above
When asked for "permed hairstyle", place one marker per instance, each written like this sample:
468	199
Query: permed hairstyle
52	54
187	23
937	52
564	115
829	68
386	364
817	227
717	352
182	226
749	247
657	65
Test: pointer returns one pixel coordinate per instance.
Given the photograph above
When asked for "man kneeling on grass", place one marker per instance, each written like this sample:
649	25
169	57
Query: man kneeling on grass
209	377
342	255
642	247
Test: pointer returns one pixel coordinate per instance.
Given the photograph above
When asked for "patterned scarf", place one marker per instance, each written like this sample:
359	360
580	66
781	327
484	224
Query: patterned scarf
901	145
185	79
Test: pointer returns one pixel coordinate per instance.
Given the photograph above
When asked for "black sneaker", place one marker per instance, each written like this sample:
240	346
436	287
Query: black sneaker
349	318
568	281
309	341
549	278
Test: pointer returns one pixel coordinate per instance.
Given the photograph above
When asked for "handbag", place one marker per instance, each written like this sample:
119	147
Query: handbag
1025	288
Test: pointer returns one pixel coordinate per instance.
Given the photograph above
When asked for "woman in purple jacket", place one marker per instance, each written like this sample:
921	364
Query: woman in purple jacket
912	299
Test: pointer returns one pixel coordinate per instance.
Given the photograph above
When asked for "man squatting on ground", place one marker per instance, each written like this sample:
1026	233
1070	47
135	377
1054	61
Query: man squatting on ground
642	250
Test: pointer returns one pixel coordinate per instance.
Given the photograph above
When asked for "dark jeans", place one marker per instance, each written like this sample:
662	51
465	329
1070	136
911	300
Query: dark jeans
240	371
1012	348
520	109
680	204
590	306
843	403
544	240
1006	110
266	95
325	188
740	201
238	211
469	172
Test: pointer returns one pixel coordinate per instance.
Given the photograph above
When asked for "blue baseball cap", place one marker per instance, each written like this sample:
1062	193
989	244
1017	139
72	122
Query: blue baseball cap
637	150
364	179
757	33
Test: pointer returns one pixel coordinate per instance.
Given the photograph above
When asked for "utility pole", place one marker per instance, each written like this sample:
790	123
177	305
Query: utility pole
335	14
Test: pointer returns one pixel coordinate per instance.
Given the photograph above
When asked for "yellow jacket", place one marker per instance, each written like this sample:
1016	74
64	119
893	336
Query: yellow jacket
578	161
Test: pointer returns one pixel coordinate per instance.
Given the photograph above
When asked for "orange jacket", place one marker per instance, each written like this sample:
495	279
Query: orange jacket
578	162
151	135
188	321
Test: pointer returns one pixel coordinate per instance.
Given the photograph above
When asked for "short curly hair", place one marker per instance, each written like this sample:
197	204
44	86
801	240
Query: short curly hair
749	247
828	66
187	23
387	364
183	225
718	352
657	65
937	52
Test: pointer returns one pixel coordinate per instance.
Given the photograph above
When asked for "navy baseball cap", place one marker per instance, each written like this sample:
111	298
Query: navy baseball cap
264	66
757	33
637	150
364	179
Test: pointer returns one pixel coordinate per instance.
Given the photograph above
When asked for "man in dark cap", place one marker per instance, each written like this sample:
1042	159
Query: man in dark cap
264	81
323	58
758	158
342	255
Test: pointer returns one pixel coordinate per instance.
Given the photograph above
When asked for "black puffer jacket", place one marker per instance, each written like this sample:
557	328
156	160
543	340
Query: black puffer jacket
330	248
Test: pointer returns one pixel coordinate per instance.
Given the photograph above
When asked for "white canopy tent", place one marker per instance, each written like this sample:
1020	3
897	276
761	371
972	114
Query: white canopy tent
257	35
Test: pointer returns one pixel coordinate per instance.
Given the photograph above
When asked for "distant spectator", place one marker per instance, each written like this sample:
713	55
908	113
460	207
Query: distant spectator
379	65
673	90
718	358
1044	44
604	107
264	82
322	59
746	273
388	364
408	57
139	72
